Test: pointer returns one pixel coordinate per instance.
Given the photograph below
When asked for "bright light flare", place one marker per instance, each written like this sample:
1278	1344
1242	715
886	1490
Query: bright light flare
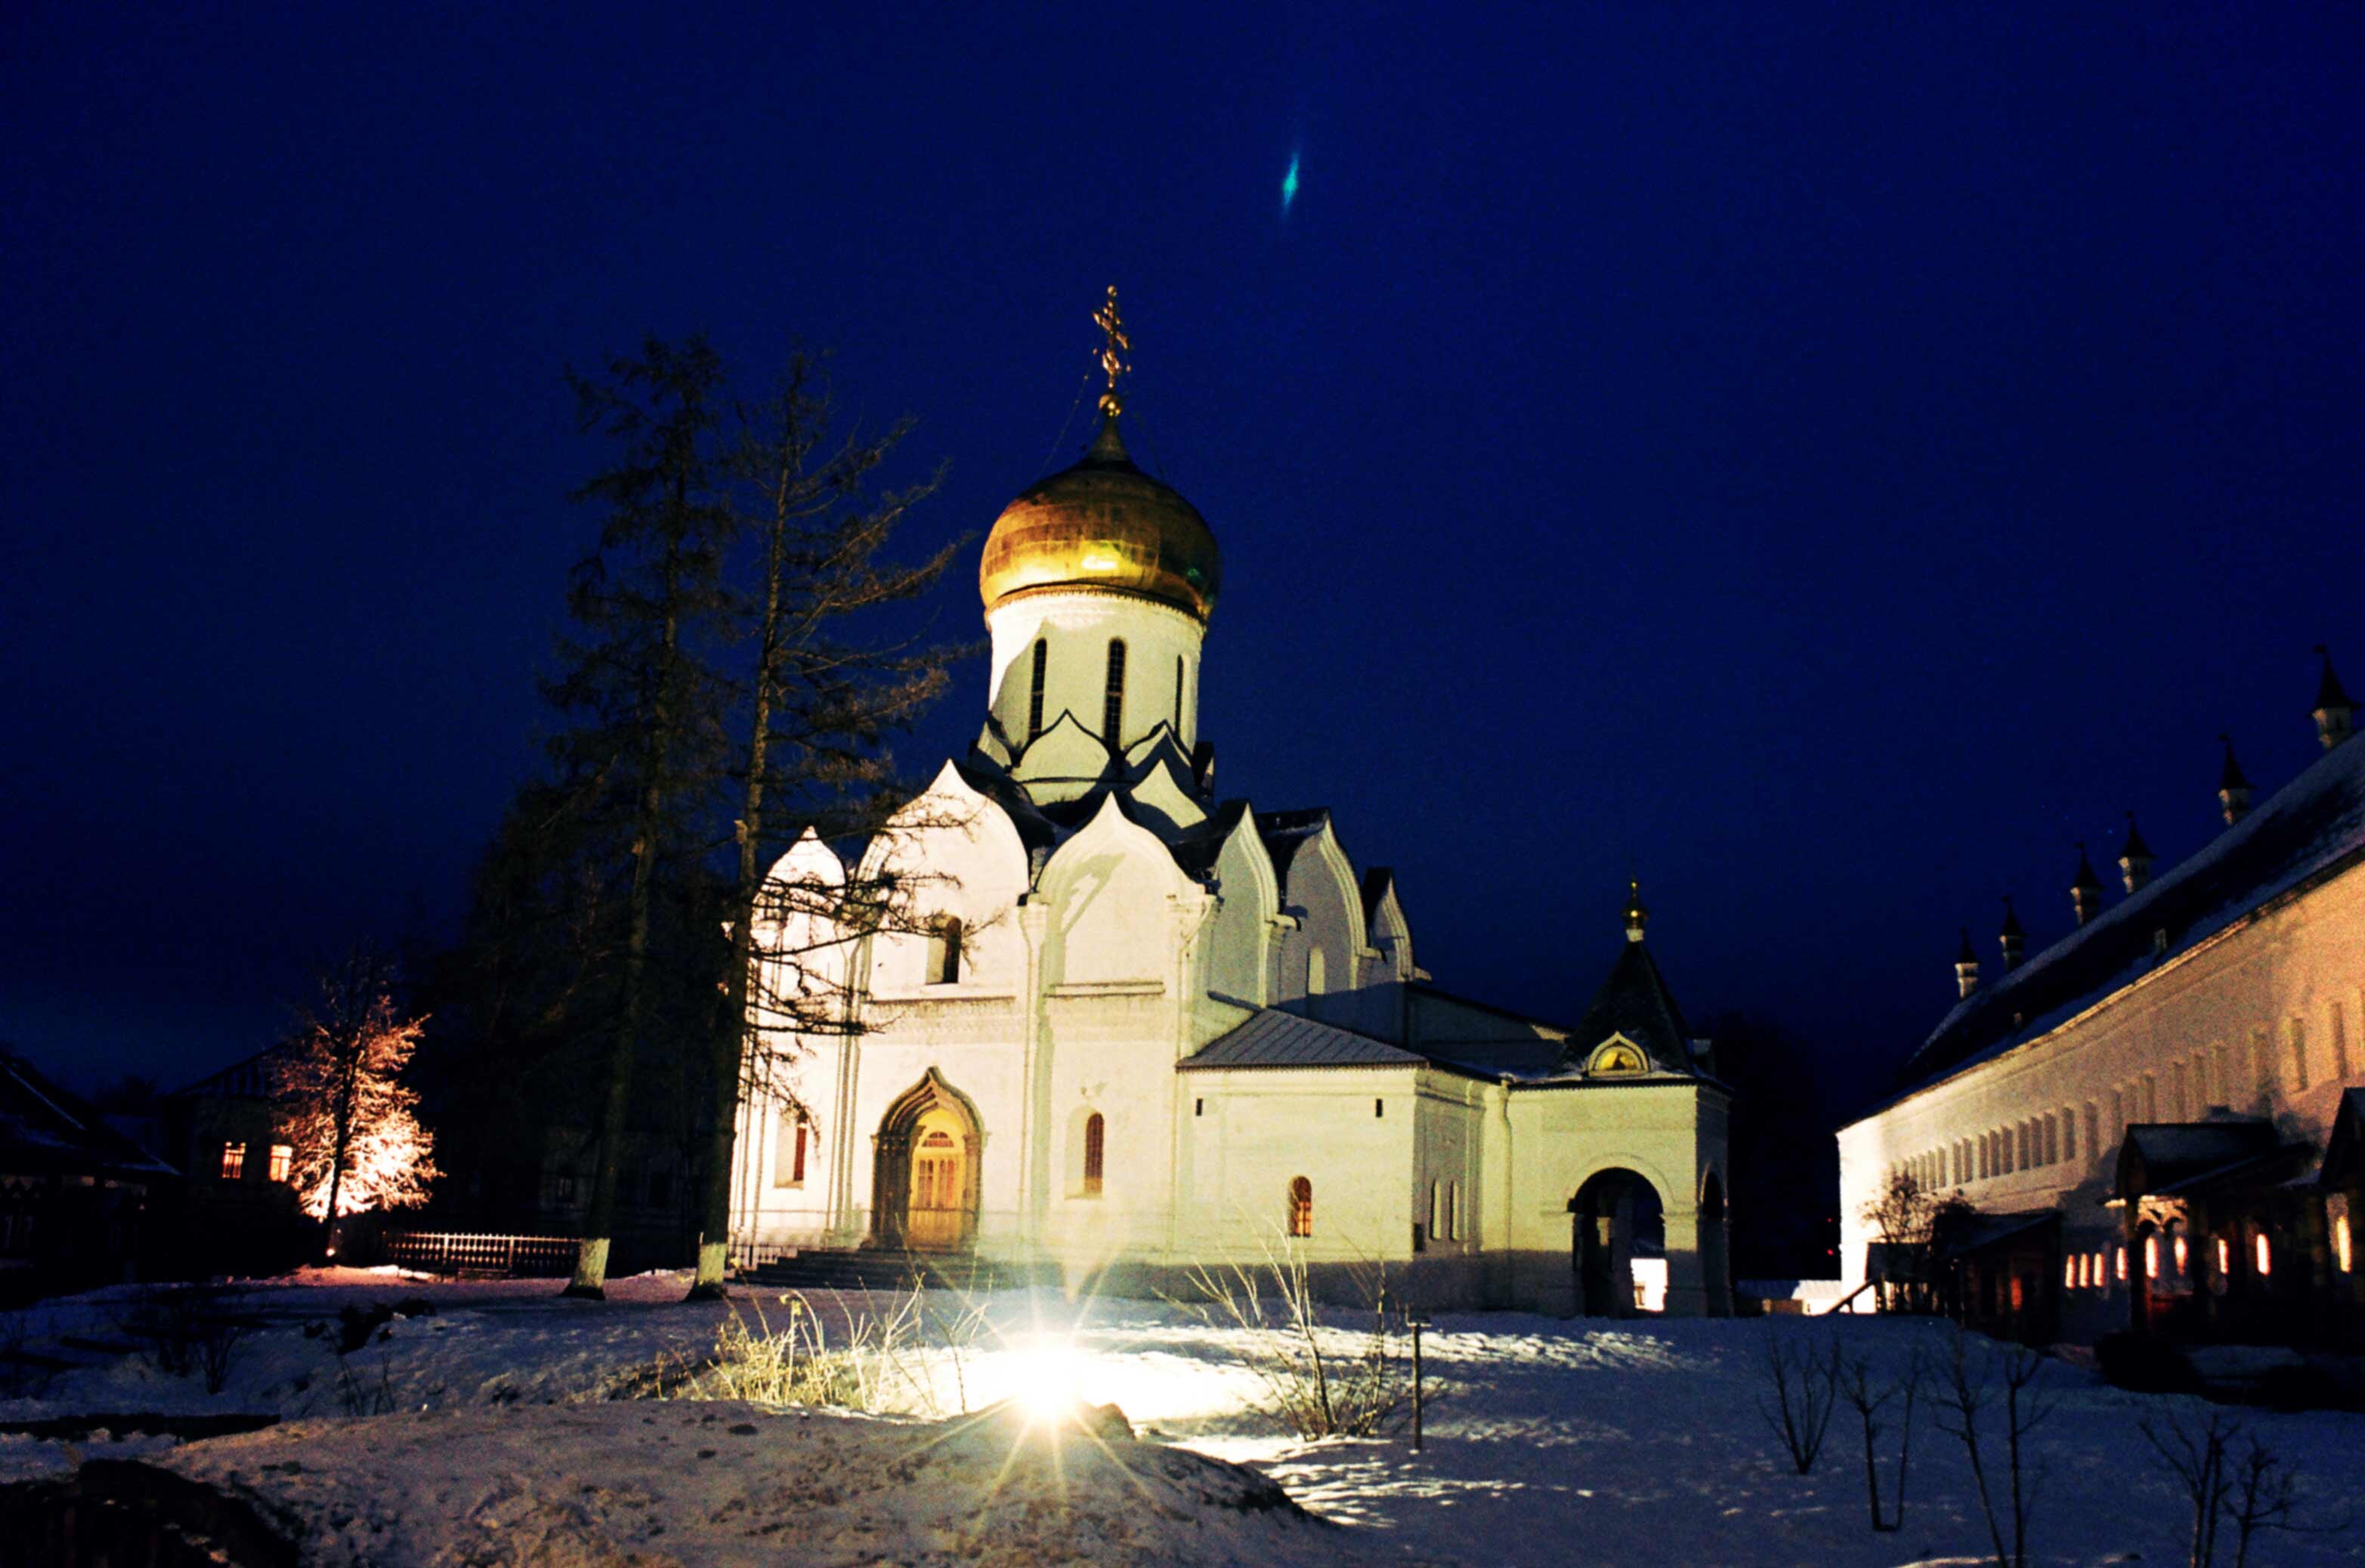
1289	187
1049	1375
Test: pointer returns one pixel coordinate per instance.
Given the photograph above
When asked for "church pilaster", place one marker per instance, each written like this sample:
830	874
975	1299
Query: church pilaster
1034	1105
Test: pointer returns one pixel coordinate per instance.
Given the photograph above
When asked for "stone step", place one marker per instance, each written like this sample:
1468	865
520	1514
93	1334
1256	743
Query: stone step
879	1270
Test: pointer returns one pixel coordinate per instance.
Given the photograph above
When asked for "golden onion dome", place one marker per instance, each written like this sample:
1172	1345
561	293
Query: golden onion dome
1103	524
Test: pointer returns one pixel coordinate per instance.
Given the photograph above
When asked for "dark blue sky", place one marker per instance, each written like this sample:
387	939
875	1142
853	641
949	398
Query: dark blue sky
1829	461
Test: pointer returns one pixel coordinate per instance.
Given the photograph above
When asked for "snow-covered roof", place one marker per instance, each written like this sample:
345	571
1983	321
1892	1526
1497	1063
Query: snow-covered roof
44	1131
1275	1038
2311	826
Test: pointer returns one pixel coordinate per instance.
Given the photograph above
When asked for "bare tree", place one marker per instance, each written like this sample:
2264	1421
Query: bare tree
1804	1383
1965	1397
2197	1456
1868	1394
1912	1218
350	1121
822	703
2260	1497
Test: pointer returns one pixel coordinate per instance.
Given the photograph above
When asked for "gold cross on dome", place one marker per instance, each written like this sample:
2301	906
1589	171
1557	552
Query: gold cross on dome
1113	348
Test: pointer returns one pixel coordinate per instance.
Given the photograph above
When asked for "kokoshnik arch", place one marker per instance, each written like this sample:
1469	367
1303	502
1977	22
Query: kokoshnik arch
1152	1028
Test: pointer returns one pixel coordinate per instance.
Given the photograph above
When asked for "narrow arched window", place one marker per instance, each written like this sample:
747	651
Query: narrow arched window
1095	1144
945	952
1300	1207
1112	701
1035	688
1178	698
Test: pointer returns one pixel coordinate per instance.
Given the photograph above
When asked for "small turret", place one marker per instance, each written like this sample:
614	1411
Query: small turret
1637	917
2012	939
2233	786
2135	858
2085	888
2332	709
1966	966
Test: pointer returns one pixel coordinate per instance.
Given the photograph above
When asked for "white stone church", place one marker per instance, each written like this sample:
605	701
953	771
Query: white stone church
1153	1029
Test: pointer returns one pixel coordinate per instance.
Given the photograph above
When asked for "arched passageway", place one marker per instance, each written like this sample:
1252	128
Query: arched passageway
925	1170
1617	1218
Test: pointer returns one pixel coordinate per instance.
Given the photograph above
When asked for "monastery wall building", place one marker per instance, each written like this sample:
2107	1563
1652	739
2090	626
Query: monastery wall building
1139	1028
2156	1118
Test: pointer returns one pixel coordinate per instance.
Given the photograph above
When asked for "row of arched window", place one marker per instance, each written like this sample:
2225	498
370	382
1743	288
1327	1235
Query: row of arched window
1112	691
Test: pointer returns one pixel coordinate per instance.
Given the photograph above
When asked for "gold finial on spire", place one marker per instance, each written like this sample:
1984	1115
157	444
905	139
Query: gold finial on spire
1112	350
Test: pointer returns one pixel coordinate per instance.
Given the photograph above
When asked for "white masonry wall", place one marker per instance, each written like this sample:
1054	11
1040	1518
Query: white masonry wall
2262	1019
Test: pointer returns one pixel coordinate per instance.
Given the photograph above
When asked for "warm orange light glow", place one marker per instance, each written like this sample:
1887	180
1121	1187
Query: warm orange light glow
2183	1260
2123	1263
2266	1258
2151	1257
2342	1253
2225	1256
2069	1279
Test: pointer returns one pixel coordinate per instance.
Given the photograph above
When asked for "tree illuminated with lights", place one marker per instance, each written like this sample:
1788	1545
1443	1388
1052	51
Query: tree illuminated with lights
353	1123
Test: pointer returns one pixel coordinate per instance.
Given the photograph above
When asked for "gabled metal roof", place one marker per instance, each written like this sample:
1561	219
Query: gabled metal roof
1273	1038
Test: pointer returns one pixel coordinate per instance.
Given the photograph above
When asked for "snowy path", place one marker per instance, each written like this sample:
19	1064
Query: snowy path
1554	1442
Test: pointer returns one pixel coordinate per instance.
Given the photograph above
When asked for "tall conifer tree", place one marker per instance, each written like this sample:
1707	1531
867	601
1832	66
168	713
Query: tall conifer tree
644	703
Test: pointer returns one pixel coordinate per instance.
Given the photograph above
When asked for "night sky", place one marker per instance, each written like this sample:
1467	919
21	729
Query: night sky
1827	463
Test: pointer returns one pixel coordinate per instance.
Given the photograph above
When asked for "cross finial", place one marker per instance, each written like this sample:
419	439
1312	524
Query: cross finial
1113	348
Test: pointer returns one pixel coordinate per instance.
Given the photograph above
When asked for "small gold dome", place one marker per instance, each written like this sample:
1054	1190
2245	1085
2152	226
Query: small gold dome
1103	524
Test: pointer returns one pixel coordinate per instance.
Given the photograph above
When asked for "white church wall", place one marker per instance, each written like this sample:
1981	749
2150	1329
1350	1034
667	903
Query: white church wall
965	861
1250	1133
1114	894
1321	959
1076	628
1243	932
1111	1055
2263	1019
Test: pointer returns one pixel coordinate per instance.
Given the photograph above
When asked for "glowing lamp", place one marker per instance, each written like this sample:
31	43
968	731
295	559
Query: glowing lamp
2266	1258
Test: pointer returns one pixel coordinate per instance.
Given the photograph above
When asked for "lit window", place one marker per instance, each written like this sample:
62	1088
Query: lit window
2122	1264
283	1161
1035	689
2225	1257
2343	1255
1300	1207
1096	1135
2151	1257
2101	1269
2069	1279
233	1162
2266	1255
2183	1254
1113	699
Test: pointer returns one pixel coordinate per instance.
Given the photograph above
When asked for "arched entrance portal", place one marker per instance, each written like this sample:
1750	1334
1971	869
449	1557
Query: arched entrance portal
1618	1219
925	1176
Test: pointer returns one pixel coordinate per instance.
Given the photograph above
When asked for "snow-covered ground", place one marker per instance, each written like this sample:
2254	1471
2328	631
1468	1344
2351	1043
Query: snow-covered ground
1552	1441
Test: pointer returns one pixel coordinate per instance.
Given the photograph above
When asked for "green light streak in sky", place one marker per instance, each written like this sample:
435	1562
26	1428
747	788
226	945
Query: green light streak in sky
1289	185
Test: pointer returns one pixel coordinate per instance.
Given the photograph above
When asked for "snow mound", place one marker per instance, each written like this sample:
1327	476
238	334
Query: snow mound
682	1483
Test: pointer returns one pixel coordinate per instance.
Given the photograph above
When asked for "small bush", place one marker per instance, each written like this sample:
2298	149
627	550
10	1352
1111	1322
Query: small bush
1315	1384
876	1363
2144	1365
